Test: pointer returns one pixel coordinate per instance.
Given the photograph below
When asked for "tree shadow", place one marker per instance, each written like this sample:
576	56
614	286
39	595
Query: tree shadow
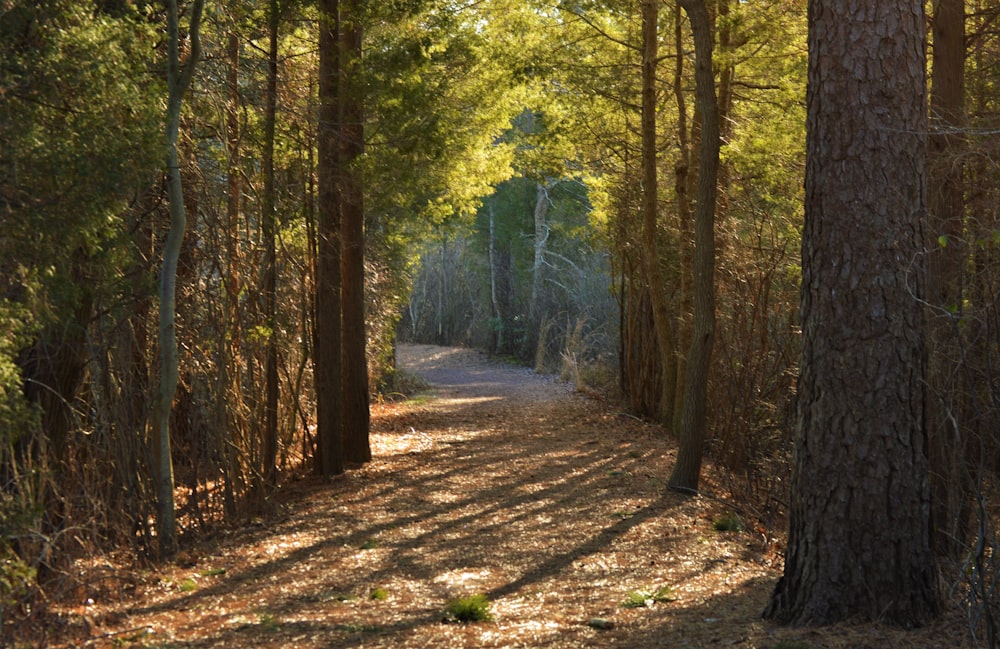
526	500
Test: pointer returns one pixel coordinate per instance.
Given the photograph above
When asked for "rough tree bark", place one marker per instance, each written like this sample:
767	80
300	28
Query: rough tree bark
687	470
859	519
685	179
357	448
327	358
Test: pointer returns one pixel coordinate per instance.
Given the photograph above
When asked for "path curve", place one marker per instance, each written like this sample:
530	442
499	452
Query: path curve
469	373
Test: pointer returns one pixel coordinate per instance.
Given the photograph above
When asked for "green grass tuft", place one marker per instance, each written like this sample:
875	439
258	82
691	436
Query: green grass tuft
474	608
728	522
643	598
378	593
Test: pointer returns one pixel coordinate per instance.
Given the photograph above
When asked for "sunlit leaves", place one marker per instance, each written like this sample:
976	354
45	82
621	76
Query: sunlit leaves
83	134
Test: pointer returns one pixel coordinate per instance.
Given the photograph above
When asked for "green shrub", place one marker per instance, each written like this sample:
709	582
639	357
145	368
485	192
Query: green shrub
474	608
728	522
642	598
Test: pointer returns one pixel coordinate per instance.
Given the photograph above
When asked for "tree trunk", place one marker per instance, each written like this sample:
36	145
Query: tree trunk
229	397
357	449
269	451
327	359
650	250
947	414
498	313
699	360
684	181
859	518
541	239
178	79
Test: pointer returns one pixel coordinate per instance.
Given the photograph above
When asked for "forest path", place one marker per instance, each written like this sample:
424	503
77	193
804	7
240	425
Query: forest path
501	482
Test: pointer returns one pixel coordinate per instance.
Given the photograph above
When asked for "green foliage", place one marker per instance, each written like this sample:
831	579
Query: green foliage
268	622
474	608
644	598
728	522
400	384
19	511
84	138
17	578
378	594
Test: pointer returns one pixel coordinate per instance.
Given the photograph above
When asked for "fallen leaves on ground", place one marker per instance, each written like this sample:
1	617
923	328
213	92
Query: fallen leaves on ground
505	484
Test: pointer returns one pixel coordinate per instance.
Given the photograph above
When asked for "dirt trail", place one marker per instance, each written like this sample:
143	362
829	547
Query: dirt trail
504	483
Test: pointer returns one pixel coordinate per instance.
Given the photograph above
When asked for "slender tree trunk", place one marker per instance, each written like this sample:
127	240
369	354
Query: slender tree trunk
357	448
309	339
686	471
541	239
234	196
859	542
443	335
684	181
271	387
178	79
229	396
327	359
498	314
650	249
951	482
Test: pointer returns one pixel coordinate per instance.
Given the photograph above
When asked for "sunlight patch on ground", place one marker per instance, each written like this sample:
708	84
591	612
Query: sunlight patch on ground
456	402
460	580
401	444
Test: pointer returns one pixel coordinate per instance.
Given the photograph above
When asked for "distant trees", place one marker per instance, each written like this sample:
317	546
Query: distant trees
859	523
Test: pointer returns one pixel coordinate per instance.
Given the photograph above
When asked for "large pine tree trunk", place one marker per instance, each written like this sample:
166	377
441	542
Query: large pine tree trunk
859	520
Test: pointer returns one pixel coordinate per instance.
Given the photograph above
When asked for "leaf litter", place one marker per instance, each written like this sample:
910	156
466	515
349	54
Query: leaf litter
549	504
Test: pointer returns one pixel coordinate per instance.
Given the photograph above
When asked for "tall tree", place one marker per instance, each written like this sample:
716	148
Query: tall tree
951	485
179	75
691	435
859	519
270	446
352	145
328	359
650	251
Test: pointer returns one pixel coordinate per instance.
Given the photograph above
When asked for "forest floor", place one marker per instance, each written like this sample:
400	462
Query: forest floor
498	482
